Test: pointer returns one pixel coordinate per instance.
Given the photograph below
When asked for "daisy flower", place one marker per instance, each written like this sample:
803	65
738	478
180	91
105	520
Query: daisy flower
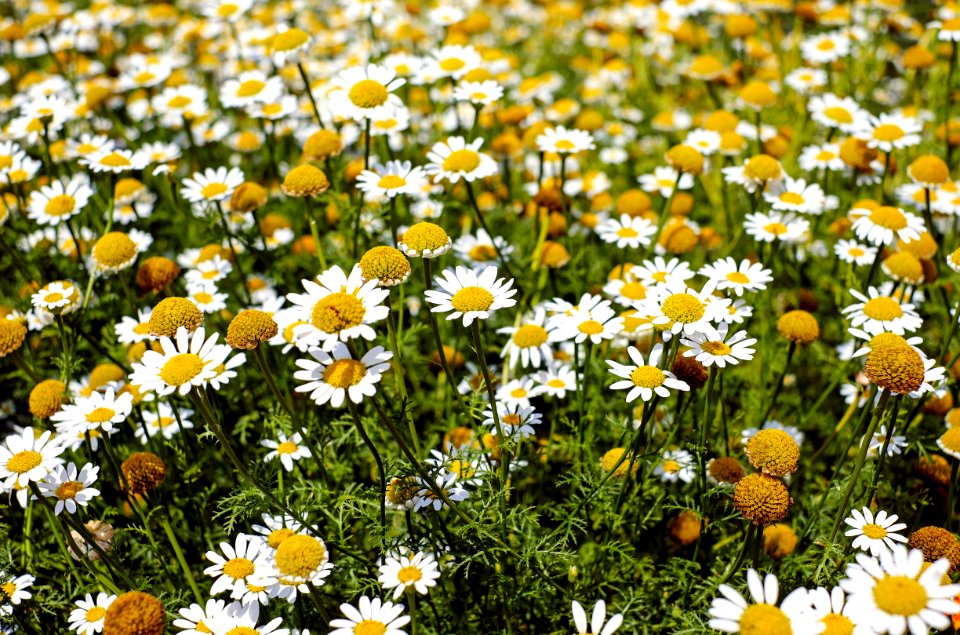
821	157
455	159
191	359
479	93
891	132
629	231
885	225
384	618
115	161
59	298
90	613
28	457
55	203
212	185
244	618
732	613
597	619
246	560
336	375
480	249
895	444
556	380
830	608
643	378
664	180
426	498
825	48
831	111
720	351
517	392
895	592
592	318
397	177
196	619
71	487
796	195
562	141
15	591
874	534
338	308
854	253
726	274
677	465
419	571
454	61
366	93
300	564
132	330
677	309
780	226
516	420
286	449
471	295
877	313
103	411
249	88
529	342
660	271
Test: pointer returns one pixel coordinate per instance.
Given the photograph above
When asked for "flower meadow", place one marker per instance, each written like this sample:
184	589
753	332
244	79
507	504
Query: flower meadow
515	317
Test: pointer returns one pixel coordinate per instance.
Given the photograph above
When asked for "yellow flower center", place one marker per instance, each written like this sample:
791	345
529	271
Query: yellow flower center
7	589
590	327
683	308
212	190
763	167
888	217
344	373
716	348
764	619
277	536
250	88
298	556
627	232
738	277
633	290
203	628
287	447
101	415
556	383
179	101
23	462
900	595
670	466
60	205
424	236
837	624
391	182
564	145
838	114
452	64
409	574
883	309
529	336
370	627
856	252
461	161
874	531
888	132
226	10
95	614
826	45
115	160
289	40
777	229
512	419
472	299
238	568
482	253
243	630
368	93
68	490
181	369
337	312
647	377
114	249
791	198
202	297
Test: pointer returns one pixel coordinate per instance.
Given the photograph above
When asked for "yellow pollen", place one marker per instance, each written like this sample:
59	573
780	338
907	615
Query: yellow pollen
226	10
671	466
53	297
60	205
279	535
250	88
556	383
461	161
212	190
409	574
370	627
874	531
683	308
391	182
344	373
882	308
591	327
837	624
178	102
101	415
764	619
368	93
633	290
888	132
791	198
298	556
530	336
838	114
627	232
69	490
738	277
338	312
856	252
482	253
777	229
287	447
900	595
826	45
452	64
95	614
565	144
238	568
8	589
181	369
716	348
647	377
243	630
889	218
202	297
472	299
23	462
518	393
115	160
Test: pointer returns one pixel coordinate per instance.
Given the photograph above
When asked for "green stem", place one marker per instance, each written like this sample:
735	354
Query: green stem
380	469
178	552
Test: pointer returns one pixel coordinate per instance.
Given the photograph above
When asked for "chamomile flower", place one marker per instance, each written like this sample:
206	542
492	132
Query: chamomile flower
115	161
397	177
561	140
784	227
877	313
212	185
28	457
676	465
362	93
338	308
471	295
240	617
644	379
529	342
189	360
103	411
664	180
675	308
732	613
455	159
628	231
556	380
874	534
250	88
285	449
70	486
55	203
479	93
796	195
885	225
300	563
375	616
831	111
419	571
335	376
895	592
516	420
427	498
661	271
517	392
234	565
722	350
747	276
591	319
88	617
854	252
197	620
889	132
